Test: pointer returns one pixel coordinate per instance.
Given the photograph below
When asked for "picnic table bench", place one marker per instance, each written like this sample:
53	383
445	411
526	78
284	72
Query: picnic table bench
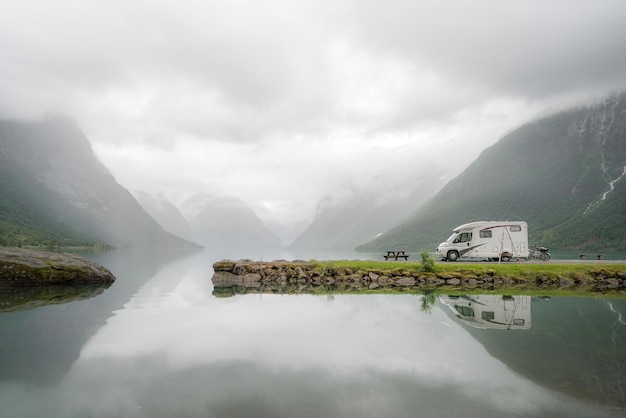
396	255
598	256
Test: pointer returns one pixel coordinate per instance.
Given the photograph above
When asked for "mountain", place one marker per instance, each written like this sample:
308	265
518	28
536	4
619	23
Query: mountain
54	191
287	232
563	174
359	216
167	214
226	221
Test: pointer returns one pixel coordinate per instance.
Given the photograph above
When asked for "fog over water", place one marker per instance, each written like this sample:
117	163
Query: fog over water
283	102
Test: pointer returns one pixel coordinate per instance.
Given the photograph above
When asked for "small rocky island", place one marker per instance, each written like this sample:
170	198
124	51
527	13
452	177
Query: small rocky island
22	268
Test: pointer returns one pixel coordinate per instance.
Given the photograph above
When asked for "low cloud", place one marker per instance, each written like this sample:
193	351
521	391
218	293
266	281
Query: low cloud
287	101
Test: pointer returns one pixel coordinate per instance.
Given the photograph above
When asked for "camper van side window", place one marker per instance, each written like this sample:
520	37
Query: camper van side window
488	315
516	228
484	233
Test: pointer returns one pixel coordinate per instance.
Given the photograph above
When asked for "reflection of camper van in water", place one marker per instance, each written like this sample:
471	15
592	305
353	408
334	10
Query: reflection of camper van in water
491	311
493	240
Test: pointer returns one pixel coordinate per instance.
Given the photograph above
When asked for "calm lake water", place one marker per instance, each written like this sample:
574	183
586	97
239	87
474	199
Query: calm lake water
158	343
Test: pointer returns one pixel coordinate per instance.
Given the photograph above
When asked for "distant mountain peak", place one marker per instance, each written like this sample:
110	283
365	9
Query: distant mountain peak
222	220
352	216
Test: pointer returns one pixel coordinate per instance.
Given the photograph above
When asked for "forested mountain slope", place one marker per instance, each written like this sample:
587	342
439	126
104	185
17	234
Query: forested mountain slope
53	191
563	173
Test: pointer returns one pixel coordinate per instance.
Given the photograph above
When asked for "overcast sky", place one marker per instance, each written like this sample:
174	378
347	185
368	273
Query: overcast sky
280	102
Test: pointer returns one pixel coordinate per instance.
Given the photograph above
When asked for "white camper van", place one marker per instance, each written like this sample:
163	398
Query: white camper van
493	240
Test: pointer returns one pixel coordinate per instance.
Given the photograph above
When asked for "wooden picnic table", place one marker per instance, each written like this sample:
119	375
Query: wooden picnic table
396	255
598	256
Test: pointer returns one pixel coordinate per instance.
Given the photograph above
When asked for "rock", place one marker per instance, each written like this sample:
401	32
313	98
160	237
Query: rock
447	276
226	279
252	279
405	281
243	268
433	281
612	283
224	265
22	267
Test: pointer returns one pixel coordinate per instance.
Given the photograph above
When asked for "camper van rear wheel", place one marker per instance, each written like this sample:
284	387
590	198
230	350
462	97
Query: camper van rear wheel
453	256
506	258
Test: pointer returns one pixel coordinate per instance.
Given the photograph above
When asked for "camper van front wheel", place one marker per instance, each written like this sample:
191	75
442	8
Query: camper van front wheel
453	256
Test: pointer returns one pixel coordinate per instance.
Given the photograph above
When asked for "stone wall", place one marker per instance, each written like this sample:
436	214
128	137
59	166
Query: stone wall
302	277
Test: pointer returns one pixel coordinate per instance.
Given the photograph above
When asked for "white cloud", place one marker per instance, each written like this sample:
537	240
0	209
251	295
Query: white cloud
281	102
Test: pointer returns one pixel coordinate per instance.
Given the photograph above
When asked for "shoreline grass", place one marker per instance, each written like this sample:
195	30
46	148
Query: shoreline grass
509	268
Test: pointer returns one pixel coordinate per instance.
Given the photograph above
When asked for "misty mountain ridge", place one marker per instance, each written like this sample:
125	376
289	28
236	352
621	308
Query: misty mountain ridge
357	216
54	191
288	232
563	173
166	213
226	221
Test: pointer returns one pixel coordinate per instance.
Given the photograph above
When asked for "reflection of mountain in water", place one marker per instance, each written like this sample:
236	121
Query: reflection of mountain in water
575	345
40	345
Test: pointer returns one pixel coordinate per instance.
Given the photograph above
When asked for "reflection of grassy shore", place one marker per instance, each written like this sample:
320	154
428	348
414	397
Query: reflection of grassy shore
359	276
332	291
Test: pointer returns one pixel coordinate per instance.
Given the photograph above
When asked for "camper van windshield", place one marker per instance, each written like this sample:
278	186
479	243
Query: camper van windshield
463	237
451	237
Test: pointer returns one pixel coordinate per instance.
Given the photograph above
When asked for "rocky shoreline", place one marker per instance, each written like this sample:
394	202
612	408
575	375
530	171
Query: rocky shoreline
23	267
303	277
